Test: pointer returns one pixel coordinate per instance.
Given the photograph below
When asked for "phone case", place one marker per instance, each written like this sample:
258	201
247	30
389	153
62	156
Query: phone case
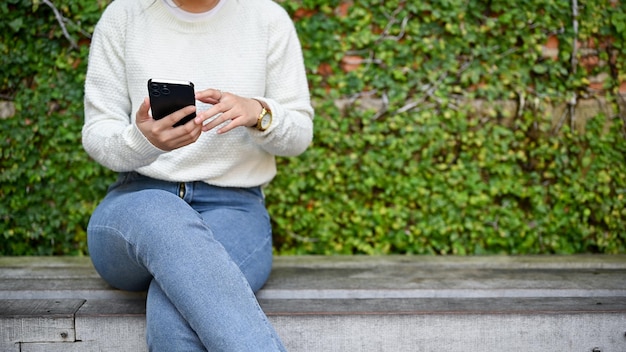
168	96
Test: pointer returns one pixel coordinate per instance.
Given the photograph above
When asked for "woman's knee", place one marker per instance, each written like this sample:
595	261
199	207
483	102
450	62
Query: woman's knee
113	258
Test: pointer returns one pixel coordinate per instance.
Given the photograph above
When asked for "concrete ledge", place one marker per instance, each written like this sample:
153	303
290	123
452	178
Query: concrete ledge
395	303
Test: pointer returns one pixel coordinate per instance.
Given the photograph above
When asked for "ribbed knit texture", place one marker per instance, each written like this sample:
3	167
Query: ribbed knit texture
249	48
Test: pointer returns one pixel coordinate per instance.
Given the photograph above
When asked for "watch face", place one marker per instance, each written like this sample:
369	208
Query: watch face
265	121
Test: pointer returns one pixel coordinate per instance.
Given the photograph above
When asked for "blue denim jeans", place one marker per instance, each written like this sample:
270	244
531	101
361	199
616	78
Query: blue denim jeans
201	252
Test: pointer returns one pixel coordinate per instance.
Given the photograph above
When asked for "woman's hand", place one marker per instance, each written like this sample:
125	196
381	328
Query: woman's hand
161	133
239	111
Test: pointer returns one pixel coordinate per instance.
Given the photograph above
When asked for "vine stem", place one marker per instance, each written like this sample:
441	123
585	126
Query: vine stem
572	103
61	21
575	25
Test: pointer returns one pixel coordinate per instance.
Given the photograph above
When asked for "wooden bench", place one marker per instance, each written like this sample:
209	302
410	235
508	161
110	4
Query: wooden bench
356	303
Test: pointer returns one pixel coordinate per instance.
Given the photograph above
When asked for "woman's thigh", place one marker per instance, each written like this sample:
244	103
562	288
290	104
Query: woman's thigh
240	222
132	223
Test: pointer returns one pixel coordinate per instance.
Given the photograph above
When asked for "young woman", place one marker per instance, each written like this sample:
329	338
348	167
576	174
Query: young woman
186	218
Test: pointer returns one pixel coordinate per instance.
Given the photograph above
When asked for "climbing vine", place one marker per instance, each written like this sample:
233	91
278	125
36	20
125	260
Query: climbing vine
442	127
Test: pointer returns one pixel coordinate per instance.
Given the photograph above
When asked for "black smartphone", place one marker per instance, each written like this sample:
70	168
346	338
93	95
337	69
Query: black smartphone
168	96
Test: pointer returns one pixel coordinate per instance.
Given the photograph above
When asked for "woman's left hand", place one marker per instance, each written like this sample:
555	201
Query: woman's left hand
239	111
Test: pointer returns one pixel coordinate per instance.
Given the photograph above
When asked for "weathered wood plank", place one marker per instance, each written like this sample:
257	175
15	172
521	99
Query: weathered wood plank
451	277
38	320
54	284
115	325
55	278
113	333
9	347
39	307
397	303
78	346
45	262
453	333
446	306
112	307
55	288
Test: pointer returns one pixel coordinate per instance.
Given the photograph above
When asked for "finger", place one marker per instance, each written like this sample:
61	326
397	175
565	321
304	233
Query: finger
186	134
229	126
173	138
218	120
176	116
208	114
210	96
142	113
231	123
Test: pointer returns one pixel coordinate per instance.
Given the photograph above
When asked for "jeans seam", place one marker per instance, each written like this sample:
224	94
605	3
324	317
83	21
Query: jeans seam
245	261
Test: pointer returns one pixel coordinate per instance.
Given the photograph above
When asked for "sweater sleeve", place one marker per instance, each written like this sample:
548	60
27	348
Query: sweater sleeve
286	93
109	134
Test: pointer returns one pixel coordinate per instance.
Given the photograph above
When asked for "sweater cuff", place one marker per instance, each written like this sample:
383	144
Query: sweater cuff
140	144
270	104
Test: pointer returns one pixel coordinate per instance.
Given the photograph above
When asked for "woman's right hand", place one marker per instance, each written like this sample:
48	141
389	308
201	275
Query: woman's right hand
161	133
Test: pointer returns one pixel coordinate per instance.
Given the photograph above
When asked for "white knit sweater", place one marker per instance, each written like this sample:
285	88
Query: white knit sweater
248	47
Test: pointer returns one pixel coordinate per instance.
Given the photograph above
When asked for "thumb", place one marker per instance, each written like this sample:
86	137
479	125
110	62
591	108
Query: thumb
142	113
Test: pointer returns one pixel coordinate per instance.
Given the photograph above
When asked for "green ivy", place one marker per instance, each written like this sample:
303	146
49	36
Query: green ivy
49	186
429	171
442	127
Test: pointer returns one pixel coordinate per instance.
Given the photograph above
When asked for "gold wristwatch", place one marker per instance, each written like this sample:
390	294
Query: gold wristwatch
265	119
